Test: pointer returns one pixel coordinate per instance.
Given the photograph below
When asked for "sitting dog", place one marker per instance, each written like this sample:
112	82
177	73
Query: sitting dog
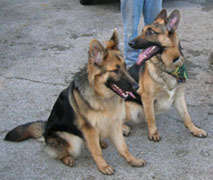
160	73
91	109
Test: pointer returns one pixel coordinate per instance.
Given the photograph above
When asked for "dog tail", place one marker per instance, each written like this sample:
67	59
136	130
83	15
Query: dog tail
26	131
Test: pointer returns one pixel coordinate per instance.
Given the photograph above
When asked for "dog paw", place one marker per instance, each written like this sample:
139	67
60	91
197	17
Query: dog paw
68	161
137	163
103	145
126	130
199	133
154	137
107	170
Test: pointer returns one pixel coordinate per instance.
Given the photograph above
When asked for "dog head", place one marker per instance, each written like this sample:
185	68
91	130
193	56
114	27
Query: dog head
160	38
107	69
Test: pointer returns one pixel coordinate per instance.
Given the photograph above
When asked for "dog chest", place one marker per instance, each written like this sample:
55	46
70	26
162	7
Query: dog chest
105	121
164	100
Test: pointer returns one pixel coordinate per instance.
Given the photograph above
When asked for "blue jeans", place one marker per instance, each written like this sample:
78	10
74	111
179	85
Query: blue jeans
131	13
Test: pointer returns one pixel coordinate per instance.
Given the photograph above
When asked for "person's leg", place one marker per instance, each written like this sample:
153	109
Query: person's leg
131	12
151	9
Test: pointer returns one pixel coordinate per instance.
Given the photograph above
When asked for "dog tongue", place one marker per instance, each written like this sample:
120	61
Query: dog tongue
145	54
131	94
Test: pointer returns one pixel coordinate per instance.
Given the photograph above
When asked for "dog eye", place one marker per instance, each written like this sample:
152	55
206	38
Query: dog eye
150	32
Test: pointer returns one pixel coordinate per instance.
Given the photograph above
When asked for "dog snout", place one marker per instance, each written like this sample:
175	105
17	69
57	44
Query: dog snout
132	43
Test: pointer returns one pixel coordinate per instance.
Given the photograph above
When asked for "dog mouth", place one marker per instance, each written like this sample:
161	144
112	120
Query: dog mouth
122	93
147	54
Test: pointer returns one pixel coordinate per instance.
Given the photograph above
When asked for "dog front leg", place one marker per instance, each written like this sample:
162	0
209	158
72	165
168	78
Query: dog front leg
117	139
181	107
148	105
93	144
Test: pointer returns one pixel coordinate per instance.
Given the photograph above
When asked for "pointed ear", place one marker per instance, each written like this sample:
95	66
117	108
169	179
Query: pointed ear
162	15
173	21
96	52
113	42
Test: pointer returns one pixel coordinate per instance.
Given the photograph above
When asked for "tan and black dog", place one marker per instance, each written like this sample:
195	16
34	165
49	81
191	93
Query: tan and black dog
91	109
160	73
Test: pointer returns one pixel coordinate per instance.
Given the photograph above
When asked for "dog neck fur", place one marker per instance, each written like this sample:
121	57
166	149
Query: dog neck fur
156	70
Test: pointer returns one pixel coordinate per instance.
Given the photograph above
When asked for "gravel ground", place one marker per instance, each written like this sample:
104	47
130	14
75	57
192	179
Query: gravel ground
43	42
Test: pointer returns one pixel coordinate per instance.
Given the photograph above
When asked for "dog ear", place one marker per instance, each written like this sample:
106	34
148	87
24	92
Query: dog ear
113	42
162	15
96	52
173	21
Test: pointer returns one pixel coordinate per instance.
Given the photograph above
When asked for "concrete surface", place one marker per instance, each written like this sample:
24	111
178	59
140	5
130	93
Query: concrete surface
43	42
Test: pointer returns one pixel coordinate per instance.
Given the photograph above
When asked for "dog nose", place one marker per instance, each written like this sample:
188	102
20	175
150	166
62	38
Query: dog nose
131	43
135	86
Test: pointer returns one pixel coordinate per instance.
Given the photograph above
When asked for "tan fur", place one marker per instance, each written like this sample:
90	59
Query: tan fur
26	131
74	148
158	89
36	129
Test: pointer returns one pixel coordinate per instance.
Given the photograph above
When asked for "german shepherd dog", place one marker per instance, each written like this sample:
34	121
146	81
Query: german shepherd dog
91	109
161	78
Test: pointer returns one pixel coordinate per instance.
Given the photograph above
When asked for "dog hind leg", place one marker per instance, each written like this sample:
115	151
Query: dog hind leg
64	146
134	112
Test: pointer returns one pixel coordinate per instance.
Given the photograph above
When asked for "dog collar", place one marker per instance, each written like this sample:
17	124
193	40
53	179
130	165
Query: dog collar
180	73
